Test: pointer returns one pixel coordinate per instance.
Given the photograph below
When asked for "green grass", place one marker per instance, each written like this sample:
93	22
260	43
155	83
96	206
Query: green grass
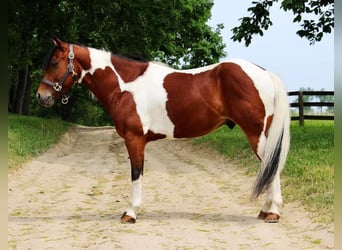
308	176
30	136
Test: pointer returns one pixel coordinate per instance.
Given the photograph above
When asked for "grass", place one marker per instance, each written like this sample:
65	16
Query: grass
30	136
308	176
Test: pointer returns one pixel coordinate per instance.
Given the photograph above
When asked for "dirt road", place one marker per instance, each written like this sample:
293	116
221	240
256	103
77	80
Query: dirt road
72	197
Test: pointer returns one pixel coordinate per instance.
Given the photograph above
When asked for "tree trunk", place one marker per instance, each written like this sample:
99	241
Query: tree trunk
13	91
22	88
27	93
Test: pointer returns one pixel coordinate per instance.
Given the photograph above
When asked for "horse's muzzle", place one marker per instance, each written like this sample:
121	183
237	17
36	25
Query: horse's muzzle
45	99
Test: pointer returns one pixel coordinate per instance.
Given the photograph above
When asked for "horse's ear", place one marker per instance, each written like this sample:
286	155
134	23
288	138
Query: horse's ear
58	43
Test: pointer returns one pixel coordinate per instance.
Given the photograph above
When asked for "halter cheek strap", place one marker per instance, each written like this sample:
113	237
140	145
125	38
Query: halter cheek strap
70	70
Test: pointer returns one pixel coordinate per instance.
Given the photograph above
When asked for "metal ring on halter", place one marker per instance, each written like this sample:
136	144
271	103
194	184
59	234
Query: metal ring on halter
65	99
57	86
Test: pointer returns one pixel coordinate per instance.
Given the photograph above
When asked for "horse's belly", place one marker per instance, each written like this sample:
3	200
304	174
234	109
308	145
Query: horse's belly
185	125
194	120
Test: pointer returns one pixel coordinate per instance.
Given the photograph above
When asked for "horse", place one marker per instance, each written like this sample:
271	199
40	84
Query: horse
148	101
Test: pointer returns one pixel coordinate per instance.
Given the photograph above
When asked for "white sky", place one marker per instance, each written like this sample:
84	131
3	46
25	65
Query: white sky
280	50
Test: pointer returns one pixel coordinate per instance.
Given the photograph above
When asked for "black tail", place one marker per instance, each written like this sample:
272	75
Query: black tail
266	177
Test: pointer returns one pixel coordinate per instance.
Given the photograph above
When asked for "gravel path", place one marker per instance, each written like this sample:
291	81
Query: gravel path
72	197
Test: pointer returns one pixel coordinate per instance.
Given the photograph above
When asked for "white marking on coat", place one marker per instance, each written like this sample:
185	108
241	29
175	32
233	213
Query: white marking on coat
195	71
137	192
99	59
150	98
136	198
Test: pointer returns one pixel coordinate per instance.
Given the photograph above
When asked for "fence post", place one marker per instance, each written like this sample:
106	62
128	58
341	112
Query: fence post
300	108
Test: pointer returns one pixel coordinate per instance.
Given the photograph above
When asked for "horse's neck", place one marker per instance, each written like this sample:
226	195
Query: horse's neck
91	63
105	85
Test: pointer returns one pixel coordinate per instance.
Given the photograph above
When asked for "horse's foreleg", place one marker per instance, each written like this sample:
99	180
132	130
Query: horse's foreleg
135	149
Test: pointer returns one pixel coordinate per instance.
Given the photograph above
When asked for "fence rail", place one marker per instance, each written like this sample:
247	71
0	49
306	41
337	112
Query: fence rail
301	104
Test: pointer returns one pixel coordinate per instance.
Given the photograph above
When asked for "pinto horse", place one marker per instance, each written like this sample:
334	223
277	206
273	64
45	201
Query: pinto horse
149	101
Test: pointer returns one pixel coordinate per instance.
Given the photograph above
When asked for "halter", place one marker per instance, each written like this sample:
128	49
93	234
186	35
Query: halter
70	70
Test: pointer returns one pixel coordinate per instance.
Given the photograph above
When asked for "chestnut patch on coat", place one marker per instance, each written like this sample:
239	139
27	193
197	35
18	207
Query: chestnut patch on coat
128	69
225	93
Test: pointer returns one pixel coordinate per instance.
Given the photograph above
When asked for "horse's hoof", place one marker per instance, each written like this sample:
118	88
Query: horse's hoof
272	218
262	215
126	219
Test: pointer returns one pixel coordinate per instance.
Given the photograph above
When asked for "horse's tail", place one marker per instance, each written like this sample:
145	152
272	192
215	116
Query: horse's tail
277	142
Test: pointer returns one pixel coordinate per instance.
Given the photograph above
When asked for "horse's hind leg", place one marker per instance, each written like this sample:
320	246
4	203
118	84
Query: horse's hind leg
135	147
256	136
273	199
270	212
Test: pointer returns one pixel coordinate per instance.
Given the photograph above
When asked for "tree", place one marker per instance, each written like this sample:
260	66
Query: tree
174	32
24	47
311	29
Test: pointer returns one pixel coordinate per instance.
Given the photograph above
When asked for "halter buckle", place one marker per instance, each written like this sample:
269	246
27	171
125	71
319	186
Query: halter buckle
71	55
65	99
57	87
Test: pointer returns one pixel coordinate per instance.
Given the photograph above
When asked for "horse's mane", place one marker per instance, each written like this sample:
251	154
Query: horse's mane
129	57
47	57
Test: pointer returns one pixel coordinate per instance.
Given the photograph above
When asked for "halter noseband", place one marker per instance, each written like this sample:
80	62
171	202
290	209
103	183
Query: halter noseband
70	70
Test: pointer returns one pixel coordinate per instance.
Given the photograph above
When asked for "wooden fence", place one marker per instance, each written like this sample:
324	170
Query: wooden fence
301	104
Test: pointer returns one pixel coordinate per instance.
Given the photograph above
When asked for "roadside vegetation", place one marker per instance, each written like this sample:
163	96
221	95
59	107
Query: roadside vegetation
29	136
308	176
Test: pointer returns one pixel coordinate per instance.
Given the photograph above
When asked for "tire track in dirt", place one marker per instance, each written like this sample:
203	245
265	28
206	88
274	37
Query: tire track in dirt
72	197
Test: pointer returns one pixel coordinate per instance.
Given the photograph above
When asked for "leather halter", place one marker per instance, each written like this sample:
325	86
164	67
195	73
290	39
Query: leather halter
57	86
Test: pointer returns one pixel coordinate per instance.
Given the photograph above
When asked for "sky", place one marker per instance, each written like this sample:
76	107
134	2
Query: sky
280	49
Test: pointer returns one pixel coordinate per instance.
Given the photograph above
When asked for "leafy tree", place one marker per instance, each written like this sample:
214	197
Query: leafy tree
311	29
173	31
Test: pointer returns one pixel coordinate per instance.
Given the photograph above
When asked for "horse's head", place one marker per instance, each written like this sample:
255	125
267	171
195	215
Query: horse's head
59	74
